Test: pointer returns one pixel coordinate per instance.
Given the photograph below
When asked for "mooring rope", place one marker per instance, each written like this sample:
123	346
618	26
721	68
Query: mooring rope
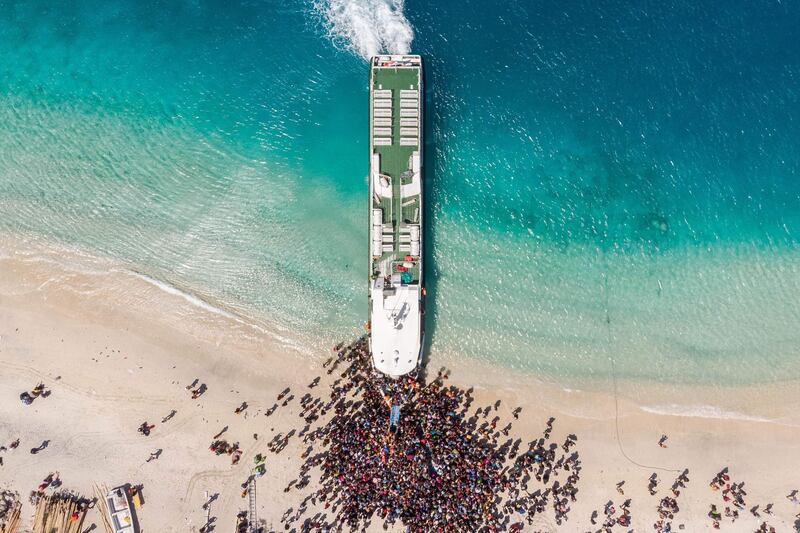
609	345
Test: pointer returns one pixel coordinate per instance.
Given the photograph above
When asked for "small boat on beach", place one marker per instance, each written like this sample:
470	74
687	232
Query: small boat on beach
120	510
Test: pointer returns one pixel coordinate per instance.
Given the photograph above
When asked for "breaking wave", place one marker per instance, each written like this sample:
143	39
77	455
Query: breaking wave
701	411
367	27
200	303
187	296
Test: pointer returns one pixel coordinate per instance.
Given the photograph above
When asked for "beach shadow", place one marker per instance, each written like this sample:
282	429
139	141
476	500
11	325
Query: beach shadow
41	447
211	500
139	489
431	200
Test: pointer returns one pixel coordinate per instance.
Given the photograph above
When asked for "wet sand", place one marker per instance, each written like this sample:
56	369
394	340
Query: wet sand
117	351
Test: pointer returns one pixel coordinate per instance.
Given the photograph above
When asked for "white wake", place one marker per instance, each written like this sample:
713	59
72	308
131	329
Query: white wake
367	27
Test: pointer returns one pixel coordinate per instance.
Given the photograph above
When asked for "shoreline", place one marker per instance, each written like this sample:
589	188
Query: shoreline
733	401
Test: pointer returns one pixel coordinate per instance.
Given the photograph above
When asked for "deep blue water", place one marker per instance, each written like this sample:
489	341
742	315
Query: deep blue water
604	179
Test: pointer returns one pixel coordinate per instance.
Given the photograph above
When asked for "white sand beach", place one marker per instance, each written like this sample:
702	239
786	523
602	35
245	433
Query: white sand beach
116	351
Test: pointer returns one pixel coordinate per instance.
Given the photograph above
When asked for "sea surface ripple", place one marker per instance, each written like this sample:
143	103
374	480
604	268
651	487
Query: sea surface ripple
609	180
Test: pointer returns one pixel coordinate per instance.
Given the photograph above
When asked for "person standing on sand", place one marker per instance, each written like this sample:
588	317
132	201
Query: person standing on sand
662	441
651	487
41	447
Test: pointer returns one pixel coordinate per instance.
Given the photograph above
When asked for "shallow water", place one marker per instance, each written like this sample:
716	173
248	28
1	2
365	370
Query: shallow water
619	180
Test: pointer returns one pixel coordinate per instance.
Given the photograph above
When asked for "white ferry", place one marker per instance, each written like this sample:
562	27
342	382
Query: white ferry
396	291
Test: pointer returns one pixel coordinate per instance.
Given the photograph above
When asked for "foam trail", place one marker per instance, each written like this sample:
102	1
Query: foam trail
367	27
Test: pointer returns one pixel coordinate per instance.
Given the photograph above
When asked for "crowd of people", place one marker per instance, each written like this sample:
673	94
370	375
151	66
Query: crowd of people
223	447
733	494
39	390
53	480
416	453
612	518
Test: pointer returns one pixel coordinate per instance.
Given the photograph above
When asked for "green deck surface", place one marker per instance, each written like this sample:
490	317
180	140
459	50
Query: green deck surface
395	159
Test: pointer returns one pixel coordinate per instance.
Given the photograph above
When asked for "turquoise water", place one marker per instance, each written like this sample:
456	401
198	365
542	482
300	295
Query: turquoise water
615	180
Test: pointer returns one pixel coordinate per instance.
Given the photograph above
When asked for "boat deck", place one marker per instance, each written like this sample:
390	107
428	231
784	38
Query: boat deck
402	207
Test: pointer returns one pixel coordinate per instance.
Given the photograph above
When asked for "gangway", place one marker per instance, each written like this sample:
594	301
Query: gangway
252	519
